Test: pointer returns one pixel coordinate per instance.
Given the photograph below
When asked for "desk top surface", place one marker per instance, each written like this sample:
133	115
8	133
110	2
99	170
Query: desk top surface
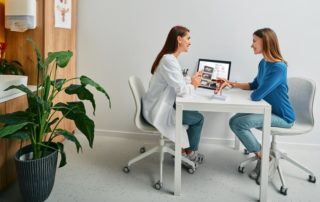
235	97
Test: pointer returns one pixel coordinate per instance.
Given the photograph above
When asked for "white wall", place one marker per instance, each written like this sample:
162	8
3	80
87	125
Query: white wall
118	38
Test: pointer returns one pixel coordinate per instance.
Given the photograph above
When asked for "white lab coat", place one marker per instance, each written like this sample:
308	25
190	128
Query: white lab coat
166	83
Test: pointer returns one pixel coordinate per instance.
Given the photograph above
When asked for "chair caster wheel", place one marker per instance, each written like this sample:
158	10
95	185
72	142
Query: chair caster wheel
246	152
191	170
126	169
241	169
283	190
142	150
157	185
312	179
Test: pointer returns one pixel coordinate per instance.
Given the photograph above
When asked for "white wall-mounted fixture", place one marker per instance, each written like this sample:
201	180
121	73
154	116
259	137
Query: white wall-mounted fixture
20	15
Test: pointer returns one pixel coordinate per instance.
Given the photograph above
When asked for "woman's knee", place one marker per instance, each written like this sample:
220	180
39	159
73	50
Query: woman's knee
239	124
193	118
201	117
233	123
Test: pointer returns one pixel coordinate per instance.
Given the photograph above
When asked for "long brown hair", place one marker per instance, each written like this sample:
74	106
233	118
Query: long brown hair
271	48
170	45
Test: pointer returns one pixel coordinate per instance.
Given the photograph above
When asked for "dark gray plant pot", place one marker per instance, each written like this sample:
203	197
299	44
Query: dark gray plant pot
36	177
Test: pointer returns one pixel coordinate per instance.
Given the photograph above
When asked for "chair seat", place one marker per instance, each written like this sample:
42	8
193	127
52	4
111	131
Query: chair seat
296	129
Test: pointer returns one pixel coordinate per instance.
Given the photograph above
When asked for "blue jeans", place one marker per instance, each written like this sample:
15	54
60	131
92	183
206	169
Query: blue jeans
195	121
241	124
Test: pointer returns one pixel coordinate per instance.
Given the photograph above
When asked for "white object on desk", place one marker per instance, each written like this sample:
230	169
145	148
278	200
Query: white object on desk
239	102
219	97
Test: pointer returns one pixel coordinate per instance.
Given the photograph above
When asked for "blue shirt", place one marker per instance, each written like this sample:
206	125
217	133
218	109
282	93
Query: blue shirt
271	85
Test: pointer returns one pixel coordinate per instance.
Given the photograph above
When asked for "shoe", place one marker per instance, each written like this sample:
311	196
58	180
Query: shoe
255	173
273	165
195	157
186	165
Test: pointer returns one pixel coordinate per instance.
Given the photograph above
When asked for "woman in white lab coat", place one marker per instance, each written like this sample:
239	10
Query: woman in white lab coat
168	82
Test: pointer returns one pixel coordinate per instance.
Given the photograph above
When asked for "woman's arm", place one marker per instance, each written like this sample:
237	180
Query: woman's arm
222	83
243	86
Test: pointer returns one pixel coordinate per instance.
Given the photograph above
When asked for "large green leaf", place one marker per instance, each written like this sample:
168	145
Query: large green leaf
55	120
86	126
46	88
82	93
22	134
63	158
69	136
6	131
51	57
58	83
76	112
15	118
61	57
33	100
87	81
76	107
39	57
22	88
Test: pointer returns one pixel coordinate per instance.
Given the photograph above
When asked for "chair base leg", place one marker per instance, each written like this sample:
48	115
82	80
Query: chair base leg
281	155
297	164
162	149
144	155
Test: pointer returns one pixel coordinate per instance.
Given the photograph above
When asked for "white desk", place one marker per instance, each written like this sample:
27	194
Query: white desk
238	101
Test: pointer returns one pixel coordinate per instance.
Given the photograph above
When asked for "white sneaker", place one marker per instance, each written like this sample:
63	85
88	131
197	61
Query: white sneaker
187	165
195	157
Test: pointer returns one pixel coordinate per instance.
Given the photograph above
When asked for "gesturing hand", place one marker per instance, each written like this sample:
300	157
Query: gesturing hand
196	79
221	83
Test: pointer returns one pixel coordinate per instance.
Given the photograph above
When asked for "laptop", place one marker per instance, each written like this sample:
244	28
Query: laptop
212	69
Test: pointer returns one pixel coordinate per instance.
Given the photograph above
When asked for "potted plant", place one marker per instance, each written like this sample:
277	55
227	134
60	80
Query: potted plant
40	125
9	67
13	67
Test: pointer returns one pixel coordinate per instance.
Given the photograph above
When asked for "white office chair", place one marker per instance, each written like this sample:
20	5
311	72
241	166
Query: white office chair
301	95
138	91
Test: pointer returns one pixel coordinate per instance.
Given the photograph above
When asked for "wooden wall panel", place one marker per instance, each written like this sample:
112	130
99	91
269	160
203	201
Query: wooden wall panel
3	147
57	39
21	50
1	20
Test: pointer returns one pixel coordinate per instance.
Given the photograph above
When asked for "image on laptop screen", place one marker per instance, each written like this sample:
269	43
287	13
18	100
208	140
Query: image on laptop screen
211	70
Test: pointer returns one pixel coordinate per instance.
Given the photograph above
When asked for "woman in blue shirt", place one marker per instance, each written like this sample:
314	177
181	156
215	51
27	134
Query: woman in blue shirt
270	84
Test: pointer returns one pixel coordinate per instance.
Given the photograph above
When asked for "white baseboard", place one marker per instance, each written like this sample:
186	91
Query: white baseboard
204	140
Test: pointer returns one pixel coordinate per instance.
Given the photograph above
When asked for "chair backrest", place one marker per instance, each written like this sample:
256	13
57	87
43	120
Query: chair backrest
301	94
138	91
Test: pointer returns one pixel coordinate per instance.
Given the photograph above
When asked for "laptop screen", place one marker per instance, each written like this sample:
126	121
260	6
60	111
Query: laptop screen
211	70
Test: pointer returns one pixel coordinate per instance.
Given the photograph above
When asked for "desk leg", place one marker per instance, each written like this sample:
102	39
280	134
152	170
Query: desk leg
177	159
236	143
265	154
